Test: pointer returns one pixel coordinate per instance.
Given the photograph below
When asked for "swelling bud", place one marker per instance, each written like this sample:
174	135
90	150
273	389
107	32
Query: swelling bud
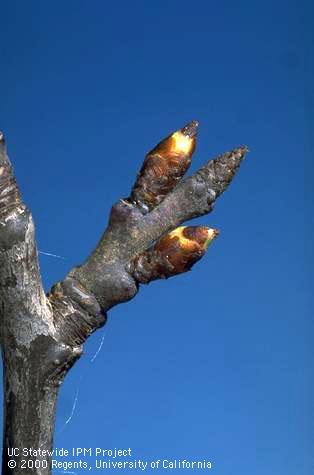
163	167
174	253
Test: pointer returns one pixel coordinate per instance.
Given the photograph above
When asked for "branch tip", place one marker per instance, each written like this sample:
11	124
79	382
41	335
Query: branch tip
241	151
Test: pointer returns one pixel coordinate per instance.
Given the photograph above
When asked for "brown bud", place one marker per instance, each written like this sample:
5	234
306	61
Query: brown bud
174	253
164	166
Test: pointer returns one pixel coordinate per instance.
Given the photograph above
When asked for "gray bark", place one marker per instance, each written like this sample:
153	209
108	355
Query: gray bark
42	336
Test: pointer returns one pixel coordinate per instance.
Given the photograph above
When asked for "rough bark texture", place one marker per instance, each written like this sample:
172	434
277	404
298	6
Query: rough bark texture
41	335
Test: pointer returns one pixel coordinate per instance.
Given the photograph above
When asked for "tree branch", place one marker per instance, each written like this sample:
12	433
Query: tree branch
42	336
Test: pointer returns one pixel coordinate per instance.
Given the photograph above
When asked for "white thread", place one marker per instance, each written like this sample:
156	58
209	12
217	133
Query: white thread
99	348
51	255
73	410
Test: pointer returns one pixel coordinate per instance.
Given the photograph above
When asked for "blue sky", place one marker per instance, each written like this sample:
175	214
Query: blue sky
218	363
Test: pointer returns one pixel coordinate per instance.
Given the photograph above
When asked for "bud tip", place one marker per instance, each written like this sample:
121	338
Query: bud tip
212	233
189	236
183	140
190	129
